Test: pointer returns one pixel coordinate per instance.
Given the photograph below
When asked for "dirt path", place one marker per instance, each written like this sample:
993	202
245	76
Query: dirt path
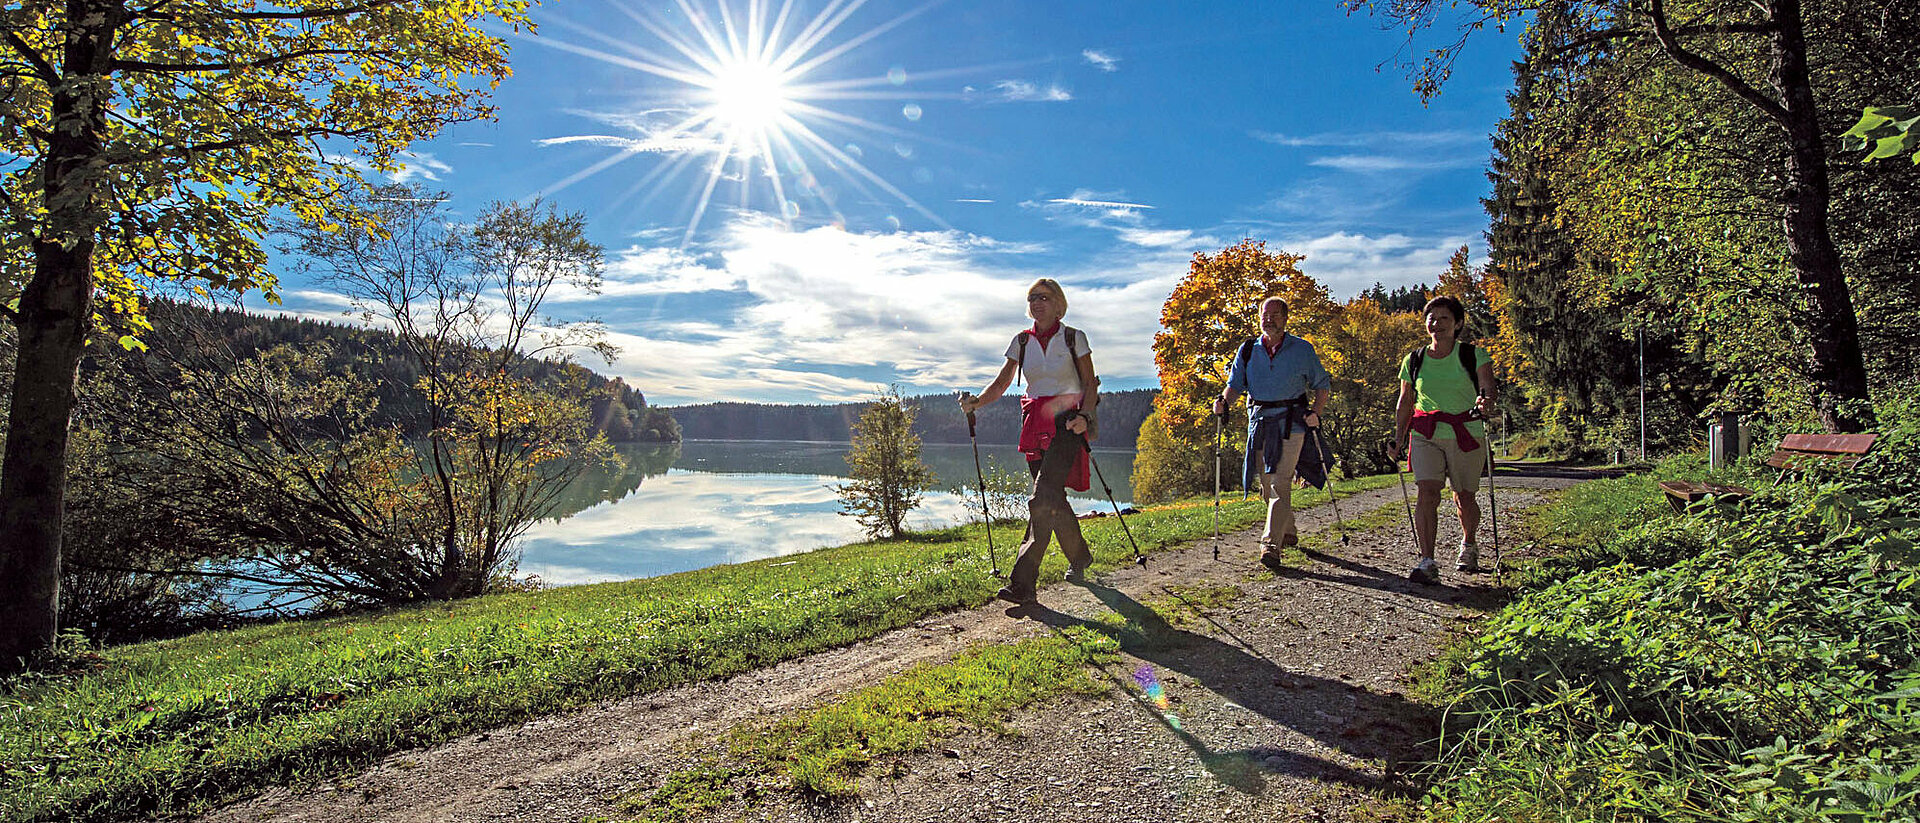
1286	703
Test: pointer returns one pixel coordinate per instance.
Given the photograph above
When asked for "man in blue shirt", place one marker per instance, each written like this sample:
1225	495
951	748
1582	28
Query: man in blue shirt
1286	388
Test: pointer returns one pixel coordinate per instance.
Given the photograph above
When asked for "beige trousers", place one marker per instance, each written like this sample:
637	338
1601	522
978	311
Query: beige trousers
1277	488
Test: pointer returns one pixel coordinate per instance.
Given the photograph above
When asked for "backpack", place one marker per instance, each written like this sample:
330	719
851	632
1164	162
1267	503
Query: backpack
1467	359
1020	340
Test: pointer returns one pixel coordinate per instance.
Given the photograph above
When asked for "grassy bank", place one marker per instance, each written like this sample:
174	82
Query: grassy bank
185	724
1754	662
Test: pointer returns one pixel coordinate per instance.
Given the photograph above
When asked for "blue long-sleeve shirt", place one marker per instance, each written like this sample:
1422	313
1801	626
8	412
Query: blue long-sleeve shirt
1290	372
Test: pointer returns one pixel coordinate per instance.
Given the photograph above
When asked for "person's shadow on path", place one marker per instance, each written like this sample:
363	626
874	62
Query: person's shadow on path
1341	716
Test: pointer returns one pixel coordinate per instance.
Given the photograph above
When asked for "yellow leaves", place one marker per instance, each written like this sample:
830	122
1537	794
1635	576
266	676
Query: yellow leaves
1211	311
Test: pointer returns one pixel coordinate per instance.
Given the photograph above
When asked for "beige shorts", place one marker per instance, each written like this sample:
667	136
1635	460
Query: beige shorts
1441	458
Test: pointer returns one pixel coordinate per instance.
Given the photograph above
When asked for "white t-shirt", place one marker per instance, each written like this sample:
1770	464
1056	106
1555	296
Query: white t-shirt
1051	370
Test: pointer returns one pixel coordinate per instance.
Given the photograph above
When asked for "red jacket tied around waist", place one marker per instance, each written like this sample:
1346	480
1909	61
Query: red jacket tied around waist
1426	422
1037	430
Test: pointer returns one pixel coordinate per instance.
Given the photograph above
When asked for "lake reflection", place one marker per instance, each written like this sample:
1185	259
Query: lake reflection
728	502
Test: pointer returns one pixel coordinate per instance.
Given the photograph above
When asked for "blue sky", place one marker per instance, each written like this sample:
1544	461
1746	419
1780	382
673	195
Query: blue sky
932	159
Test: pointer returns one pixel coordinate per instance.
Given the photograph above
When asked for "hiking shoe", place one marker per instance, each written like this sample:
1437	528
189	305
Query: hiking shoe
1469	557
1427	572
1016	596
1077	574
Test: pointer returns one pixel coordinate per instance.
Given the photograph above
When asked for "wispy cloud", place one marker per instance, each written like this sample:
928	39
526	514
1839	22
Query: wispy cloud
1347	263
664	144
1374	163
419	166
1087	208
1101	60
1097	204
1019	91
971	200
1384	139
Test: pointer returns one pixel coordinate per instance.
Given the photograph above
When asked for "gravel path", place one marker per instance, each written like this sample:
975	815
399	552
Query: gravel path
1286	703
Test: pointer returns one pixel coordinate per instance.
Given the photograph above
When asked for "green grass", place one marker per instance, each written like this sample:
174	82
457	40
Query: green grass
183	725
822	752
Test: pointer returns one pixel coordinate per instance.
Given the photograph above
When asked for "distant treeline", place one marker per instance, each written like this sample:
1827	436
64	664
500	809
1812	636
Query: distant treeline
938	420
618	410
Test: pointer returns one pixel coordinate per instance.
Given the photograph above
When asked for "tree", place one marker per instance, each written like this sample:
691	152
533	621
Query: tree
148	141
465	303
1758	53
1166	469
1362	354
884	463
1209	314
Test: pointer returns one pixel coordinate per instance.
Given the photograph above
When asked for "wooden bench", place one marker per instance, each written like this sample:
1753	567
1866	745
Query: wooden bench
1796	453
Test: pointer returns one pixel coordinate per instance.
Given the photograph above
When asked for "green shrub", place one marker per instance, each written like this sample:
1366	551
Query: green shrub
1747	663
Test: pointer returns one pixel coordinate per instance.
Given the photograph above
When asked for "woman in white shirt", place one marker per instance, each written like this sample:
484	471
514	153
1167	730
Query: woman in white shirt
1056	423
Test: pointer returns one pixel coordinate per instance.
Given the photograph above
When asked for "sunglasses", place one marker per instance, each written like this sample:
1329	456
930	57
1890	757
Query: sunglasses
1039	297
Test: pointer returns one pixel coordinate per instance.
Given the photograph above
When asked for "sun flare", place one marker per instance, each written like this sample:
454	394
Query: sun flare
746	100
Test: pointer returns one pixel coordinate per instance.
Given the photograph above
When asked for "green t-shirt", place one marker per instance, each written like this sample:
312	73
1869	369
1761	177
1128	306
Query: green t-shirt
1445	387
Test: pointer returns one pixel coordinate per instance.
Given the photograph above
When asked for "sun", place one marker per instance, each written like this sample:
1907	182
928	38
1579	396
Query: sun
749	98
743	92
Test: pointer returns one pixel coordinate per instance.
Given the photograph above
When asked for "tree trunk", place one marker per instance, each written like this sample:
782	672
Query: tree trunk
54	315
1838	366
54	318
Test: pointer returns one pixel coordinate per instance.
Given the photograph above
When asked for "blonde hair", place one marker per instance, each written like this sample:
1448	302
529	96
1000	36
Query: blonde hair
1053	290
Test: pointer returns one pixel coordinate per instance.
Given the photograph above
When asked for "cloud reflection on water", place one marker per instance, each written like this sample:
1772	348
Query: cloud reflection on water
686	519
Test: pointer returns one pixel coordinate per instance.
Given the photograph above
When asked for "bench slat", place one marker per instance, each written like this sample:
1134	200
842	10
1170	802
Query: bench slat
1828	443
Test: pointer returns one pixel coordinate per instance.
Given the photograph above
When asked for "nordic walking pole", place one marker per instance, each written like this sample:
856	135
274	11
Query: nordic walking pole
1137	556
1219	422
1326	459
985	512
1412	531
1493	504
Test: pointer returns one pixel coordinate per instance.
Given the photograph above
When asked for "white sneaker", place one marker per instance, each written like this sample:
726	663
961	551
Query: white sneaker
1427	572
1469	557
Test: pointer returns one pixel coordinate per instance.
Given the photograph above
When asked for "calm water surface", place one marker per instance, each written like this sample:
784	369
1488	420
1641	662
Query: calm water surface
706	502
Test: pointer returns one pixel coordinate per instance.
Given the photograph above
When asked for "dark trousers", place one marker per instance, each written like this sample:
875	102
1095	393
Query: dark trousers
1049	515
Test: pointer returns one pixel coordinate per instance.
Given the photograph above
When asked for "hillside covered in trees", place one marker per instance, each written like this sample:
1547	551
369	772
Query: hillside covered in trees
617	410
937	419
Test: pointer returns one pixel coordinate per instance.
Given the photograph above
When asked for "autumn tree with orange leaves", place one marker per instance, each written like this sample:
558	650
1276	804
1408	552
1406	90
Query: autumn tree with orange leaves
1211	312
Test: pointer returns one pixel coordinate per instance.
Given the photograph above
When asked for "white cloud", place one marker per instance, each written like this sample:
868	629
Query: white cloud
1101	59
1384	139
419	166
1157	238
1373	163
651	270
1024	91
670	144
826	315
1097	204
1347	263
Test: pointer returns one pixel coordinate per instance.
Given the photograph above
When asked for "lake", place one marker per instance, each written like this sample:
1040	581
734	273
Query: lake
704	503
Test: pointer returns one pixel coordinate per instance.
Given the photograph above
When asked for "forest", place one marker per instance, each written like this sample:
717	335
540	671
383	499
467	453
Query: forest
937	419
